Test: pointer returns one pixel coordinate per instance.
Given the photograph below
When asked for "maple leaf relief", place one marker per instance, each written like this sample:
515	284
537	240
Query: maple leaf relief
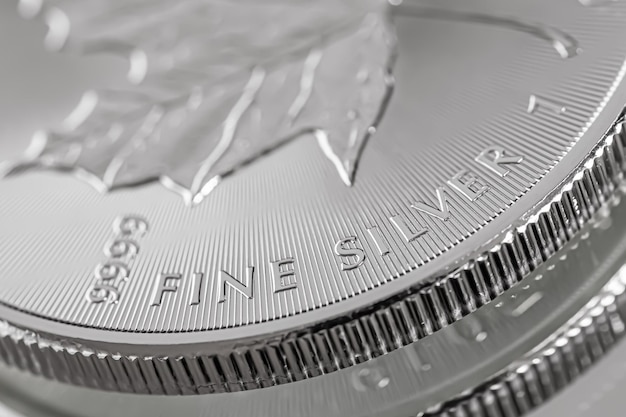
216	84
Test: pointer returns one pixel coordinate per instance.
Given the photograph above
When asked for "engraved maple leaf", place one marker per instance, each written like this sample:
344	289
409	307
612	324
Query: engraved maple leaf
217	84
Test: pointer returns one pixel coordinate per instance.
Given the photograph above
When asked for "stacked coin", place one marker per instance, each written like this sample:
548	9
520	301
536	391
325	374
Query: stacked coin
310	208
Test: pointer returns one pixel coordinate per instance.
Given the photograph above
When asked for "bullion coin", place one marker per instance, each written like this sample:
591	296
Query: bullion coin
202	197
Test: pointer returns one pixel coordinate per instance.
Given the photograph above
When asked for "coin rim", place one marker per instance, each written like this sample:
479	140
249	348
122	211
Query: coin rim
491	235
235	368
576	291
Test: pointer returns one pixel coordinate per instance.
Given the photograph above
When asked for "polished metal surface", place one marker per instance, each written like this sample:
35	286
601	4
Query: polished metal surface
400	207
193	370
496	342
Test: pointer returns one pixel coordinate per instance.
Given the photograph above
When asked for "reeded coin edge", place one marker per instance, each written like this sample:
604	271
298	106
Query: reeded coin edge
365	335
555	364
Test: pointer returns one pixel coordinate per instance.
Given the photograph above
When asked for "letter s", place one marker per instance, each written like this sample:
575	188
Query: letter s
347	253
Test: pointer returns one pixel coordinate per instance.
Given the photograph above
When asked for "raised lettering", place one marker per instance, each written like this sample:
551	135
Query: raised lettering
284	275
537	102
100	293
406	232
347	253
165	284
442	212
226	280
379	240
468	185
197	281
129	225
494	157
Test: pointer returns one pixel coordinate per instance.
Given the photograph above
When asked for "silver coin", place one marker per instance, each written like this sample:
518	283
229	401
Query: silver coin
506	359
228	198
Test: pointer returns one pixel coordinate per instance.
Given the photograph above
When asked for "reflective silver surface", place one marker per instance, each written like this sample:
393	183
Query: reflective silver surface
299	209
499	338
398	207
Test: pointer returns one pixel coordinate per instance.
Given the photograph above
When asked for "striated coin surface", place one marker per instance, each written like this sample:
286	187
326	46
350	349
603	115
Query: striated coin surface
261	171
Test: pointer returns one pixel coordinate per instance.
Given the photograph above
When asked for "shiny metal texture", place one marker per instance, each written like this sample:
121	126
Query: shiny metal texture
340	345
400	207
496	342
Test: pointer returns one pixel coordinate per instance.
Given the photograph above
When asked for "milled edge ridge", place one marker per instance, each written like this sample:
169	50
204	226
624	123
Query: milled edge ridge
366	334
558	362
